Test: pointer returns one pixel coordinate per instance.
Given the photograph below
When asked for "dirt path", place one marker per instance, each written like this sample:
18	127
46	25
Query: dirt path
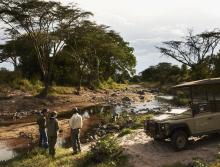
144	152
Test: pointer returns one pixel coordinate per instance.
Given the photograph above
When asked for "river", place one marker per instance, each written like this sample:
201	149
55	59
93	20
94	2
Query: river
9	150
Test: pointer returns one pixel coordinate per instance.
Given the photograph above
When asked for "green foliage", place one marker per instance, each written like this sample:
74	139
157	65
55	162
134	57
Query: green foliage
199	163
107	149
163	73
39	157
8	76
27	86
55	90
124	132
111	84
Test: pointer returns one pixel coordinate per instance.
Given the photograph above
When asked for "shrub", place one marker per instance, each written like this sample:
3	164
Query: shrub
107	149
25	85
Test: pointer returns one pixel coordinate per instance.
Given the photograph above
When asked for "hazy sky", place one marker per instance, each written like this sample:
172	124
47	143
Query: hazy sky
146	23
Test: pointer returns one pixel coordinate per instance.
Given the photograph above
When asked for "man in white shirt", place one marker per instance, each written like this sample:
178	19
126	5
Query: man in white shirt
76	124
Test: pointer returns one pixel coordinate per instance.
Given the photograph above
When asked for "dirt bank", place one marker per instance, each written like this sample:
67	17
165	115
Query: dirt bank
145	152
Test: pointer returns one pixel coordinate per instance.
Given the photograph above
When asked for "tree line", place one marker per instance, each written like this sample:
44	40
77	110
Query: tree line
58	43
196	52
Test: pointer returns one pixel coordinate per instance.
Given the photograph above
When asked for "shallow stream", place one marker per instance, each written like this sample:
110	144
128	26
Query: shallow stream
8	151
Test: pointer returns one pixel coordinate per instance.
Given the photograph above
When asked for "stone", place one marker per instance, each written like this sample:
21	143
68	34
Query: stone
141	97
126	99
141	92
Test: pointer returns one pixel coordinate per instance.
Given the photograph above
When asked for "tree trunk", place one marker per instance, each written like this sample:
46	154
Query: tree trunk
45	91
79	84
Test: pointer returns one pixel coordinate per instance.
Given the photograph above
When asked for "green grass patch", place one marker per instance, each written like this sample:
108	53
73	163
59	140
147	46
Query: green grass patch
56	90
39	157
111	84
105	153
124	132
25	85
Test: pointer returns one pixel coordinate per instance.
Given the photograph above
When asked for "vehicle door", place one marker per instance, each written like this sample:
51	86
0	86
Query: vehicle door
203	119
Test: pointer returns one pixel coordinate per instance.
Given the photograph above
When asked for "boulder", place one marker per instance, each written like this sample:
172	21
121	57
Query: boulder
141	92
126	99
141	97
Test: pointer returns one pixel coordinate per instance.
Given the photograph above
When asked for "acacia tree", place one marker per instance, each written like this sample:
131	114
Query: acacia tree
98	53
194	51
46	23
8	53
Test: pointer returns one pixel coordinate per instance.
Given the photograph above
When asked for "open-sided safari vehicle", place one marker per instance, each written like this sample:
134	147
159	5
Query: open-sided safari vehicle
202	117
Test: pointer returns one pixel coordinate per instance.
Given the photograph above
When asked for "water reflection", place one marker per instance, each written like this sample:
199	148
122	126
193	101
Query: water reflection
6	153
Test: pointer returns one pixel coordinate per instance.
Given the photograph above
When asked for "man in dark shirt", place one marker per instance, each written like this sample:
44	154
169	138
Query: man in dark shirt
52	130
41	121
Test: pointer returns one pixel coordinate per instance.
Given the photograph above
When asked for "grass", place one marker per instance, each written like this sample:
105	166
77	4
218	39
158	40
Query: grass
34	87
39	157
124	132
111	84
139	120
105	153
56	90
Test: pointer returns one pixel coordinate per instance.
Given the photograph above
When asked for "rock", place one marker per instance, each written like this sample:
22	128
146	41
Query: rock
114	94
141	97
113	127
126	99
141	92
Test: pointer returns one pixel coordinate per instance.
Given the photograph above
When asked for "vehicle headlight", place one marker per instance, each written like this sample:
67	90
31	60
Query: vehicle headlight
164	127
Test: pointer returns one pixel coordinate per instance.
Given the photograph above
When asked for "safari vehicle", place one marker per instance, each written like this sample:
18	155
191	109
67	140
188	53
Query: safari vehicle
201	117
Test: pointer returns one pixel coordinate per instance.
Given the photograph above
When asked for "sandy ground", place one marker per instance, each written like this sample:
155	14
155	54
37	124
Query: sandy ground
144	152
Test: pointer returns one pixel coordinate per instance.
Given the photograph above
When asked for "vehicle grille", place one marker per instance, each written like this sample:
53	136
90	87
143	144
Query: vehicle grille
151	128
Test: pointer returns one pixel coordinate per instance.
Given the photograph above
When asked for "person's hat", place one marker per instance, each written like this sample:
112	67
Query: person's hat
75	110
53	114
45	110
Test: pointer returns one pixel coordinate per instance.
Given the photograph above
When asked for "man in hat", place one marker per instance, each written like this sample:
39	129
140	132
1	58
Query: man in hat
75	125
41	121
52	130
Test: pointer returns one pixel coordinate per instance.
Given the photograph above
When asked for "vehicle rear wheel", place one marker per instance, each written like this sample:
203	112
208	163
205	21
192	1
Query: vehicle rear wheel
179	140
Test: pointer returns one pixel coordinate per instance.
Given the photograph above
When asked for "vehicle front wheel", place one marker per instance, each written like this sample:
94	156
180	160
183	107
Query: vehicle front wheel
179	140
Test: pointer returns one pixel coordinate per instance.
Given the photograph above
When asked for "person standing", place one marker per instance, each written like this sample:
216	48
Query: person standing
41	121
52	130
75	125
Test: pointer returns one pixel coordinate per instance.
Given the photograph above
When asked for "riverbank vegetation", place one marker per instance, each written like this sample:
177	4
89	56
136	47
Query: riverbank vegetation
105	153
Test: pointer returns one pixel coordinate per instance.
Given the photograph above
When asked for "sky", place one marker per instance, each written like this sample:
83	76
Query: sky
147	23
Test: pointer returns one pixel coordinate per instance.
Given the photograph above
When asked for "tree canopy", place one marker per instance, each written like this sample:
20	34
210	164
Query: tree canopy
54	42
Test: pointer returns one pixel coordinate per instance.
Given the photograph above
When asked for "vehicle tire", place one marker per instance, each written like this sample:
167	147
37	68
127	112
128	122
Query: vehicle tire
179	140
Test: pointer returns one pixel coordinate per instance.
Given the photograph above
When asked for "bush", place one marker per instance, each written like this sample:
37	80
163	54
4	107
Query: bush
9	76
25	85
107	149
111	84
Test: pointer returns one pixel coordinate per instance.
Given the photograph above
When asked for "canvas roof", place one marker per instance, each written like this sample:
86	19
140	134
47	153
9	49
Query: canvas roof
199	82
